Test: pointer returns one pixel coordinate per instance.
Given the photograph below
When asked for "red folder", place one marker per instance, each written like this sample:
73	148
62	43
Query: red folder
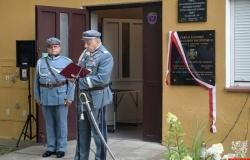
74	69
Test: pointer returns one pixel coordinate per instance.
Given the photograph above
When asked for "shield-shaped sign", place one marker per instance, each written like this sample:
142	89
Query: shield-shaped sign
152	17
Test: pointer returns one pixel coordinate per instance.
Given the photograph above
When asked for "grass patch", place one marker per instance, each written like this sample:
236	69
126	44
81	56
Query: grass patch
6	150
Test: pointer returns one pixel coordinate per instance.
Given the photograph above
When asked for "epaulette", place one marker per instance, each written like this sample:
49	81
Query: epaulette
104	51
66	58
40	59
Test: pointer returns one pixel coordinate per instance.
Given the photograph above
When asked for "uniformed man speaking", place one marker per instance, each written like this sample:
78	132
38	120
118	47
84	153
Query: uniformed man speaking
99	61
51	93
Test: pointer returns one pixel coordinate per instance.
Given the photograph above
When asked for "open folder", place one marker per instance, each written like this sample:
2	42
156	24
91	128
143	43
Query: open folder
74	69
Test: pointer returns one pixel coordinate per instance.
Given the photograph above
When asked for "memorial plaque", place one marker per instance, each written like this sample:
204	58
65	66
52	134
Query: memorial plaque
199	49
192	10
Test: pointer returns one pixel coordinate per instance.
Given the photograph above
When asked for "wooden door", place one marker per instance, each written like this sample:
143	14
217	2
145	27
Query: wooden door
67	24
152	72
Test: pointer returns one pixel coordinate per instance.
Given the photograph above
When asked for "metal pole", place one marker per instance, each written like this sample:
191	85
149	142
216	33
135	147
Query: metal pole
28	120
77	109
78	120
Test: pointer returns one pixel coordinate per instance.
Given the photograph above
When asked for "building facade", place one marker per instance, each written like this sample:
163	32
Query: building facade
227	18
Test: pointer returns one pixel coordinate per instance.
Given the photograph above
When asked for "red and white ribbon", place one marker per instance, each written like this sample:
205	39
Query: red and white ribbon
174	40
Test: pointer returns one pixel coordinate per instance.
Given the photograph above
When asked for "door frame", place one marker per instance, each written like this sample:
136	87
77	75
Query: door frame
135	5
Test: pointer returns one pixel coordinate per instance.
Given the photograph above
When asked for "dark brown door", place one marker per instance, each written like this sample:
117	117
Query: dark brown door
48	25
152	73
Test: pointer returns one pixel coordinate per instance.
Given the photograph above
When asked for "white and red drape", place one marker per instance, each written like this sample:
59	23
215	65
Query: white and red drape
174	40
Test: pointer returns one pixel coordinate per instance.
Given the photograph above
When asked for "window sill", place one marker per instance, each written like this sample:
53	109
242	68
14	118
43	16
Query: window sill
238	89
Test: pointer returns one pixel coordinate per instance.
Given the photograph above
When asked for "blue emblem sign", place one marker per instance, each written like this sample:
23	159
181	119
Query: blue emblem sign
152	17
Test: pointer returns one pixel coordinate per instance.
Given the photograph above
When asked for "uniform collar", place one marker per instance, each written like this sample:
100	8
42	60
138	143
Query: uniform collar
96	50
54	57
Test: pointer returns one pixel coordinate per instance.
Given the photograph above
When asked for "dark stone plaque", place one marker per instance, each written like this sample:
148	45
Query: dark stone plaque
199	49
192	10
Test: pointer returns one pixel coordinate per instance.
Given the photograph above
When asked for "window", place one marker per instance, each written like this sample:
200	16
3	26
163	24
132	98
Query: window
123	38
64	33
239	44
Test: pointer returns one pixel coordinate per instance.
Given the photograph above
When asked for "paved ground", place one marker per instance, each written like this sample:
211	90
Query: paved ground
125	144
122	149
6	144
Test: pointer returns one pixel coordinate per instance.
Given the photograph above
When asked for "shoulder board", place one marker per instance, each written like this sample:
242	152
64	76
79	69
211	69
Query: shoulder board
104	51
40	59
66	58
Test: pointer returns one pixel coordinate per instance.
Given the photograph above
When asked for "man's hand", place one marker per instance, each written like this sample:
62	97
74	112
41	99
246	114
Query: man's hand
39	103
71	79
68	103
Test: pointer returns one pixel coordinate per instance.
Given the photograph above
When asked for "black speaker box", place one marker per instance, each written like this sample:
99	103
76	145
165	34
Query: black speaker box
25	53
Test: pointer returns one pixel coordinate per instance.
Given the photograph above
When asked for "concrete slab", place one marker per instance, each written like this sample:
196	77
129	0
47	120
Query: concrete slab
121	149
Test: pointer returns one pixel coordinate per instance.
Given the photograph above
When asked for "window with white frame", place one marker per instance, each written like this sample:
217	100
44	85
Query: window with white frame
123	38
239	43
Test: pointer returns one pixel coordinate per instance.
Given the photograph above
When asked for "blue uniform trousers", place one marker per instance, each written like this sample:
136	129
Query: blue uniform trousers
85	128
56	127
103	129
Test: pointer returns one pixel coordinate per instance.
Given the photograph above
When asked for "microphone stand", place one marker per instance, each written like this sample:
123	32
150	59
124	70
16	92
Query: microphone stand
76	81
77	109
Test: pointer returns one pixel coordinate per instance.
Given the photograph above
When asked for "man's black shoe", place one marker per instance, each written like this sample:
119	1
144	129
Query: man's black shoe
60	154
48	153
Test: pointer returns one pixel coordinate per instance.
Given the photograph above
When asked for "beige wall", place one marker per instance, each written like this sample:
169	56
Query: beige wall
187	102
18	23
190	102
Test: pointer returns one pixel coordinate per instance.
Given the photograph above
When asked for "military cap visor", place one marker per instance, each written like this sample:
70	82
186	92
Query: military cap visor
53	40
90	34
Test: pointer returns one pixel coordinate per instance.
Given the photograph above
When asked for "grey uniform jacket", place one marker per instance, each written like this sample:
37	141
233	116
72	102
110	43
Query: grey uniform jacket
56	95
100	63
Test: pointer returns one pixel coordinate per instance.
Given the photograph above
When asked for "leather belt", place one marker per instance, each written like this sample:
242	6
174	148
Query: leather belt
96	88
52	85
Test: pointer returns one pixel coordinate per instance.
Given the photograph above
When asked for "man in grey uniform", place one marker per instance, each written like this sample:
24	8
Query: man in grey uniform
99	61
54	93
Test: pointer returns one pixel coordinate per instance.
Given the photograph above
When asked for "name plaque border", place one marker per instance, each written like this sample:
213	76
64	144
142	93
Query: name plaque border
192	11
200	57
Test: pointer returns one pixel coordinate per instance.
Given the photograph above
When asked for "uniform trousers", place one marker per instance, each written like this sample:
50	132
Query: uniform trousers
86	126
103	129
56	127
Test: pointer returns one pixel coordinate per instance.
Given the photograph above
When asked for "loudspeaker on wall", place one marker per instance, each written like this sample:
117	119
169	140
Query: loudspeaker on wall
25	53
